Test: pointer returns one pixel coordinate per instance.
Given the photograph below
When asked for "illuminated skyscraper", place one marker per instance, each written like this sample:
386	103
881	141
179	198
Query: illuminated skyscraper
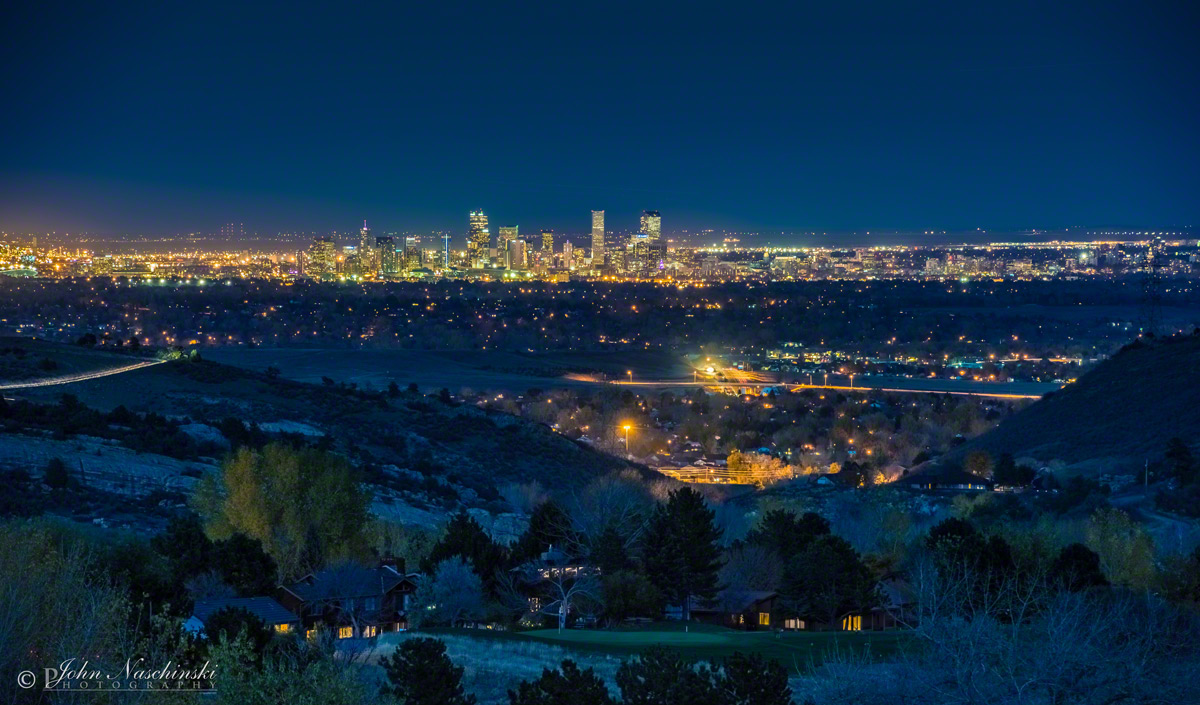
389	262
412	252
514	254
368	258
597	238
568	253
320	260
507	233
548	241
445	249
652	225
479	239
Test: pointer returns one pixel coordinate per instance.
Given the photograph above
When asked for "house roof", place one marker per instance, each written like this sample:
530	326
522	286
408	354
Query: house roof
734	601
346	580
265	608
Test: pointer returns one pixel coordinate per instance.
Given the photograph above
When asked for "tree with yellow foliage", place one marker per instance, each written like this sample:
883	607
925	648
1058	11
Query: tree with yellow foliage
305	506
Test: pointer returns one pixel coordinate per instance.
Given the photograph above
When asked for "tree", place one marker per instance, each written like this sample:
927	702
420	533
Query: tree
465	538
1180	463
750	568
978	463
754	680
608	552
245	566
187	550
786	534
566	686
629	594
827	580
1077	568
680	549
661	677
1126	551
1009	474
56	477
293	671
420	673
304	505
548	526
451	594
231	622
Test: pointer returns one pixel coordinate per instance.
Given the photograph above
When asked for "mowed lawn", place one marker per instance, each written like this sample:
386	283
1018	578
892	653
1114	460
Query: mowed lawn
795	650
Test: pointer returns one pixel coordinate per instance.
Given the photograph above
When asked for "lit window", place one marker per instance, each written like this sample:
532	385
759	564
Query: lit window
283	628
764	619
370	632
345	632
310	634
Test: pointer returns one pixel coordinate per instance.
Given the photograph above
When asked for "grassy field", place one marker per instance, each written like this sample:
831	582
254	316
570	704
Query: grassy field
795	650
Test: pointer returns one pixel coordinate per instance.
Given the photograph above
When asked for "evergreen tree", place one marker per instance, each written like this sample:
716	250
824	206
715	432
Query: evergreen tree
566	686
608	551
681	552
827	580
787	534
661	677
548	526
754	680
420	673
465	538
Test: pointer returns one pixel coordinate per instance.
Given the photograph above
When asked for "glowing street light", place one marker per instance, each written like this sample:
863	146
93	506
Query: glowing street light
630	373
627	427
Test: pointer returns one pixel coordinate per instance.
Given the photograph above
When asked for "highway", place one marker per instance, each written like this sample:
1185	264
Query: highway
81	377
906	385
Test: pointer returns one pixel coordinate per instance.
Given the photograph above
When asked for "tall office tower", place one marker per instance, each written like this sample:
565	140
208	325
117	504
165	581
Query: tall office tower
548	241
445	249
597	238
368	258
389	263
652	225
514	254
568	253
321	260
506	234
479	240
412	252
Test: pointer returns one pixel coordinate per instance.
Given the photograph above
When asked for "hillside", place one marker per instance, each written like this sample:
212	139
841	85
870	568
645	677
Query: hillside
422	452
1114	417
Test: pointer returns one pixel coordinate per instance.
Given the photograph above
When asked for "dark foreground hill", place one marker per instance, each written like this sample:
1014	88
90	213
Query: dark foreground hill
434	452
1114	417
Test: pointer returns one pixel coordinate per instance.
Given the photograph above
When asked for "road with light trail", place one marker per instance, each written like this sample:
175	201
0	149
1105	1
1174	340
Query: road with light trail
81	377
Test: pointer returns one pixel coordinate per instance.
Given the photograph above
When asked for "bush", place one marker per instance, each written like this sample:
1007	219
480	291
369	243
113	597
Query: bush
56	477
420	673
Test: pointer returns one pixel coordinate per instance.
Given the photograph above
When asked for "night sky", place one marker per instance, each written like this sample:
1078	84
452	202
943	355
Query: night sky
175	117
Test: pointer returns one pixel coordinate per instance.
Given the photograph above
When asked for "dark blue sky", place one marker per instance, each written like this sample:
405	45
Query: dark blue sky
175	117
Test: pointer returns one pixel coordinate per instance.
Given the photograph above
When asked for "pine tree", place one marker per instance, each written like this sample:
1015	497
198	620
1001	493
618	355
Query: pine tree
420	673
681	551
567	686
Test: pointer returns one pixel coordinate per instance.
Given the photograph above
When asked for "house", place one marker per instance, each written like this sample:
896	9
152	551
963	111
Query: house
896	610
353	600
750	610
269	610
946	479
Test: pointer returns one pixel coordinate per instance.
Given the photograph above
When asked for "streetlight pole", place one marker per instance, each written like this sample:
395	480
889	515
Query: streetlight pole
630	373
627	440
